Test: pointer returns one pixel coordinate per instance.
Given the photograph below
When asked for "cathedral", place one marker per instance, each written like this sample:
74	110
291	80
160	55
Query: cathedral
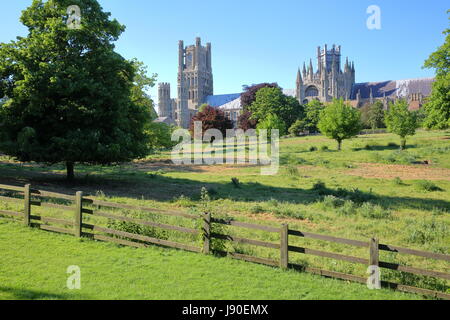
329	81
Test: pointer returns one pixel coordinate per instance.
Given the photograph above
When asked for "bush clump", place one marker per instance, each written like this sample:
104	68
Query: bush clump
428	186
373	211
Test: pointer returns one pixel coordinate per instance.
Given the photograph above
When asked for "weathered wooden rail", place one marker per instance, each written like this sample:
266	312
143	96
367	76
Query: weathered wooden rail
82	207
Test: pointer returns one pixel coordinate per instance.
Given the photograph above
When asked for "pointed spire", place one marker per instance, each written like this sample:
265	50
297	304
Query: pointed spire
304	69
299	77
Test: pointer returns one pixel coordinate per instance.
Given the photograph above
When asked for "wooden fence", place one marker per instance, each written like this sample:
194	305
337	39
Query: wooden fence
79	209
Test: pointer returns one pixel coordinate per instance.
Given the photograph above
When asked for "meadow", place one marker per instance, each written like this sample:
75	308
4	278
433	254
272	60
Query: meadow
370	189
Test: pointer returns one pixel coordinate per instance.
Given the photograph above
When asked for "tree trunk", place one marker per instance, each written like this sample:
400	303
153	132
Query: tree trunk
70	171
339	145
403	144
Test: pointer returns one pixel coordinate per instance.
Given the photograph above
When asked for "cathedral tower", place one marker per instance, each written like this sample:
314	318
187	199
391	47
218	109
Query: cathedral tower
329	81
195	73
164	101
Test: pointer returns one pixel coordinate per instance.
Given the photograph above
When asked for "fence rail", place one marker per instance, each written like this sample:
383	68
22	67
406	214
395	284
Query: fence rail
79	208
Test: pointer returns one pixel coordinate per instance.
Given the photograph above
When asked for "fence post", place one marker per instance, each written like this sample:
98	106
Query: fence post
27	205
374	252
374	281
78	221
284	246
207	233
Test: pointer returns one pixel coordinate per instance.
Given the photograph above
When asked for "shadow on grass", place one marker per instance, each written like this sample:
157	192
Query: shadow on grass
393	147
25	294
141	185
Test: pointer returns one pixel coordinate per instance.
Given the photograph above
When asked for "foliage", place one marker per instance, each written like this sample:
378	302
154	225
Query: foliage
339	122
272	122
71	97
372	115
438	104
425	232
211	118
298	128
273	101
249	94
236	183
245	121
160	136
401	121
312	115
428	186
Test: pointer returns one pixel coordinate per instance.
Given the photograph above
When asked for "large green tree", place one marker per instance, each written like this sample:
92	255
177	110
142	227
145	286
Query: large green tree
438	104
273	101
372	115
272	122
70	97
401	121
339	121
312	115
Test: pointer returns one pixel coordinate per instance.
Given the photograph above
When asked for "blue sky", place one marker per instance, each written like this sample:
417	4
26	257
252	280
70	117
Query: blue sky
266	41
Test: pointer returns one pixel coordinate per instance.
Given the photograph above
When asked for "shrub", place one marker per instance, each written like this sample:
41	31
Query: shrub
324	148
424	232
354	195
332	202
312	149
393	145
373	211
257	209
184	201
398	181
428	186
409	279
368	147
236	183
292	171
348	208
320	188
139	229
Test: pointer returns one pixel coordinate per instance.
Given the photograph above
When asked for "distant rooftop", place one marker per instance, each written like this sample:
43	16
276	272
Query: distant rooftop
394	89
220	100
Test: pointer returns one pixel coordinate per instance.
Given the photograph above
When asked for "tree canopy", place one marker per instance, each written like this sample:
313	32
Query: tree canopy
69	96
313	109
211	118
273	101
339	121
249	94
272	122
401	121
438	104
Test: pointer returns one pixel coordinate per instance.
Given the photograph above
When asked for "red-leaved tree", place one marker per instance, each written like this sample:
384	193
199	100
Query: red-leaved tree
211	118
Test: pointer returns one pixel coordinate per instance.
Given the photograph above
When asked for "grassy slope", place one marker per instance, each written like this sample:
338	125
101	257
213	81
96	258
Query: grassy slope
33	266
419	219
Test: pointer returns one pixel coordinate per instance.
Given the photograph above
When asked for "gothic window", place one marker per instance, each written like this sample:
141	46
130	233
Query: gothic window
312	92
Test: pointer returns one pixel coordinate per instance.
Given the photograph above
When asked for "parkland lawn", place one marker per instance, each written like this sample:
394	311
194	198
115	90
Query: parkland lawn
33	265
369	189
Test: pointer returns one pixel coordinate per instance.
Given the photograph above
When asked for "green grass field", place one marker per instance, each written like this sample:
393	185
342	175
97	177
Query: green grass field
370	189
33	265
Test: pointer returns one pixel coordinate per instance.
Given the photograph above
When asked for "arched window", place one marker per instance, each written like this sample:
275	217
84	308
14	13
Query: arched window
312	91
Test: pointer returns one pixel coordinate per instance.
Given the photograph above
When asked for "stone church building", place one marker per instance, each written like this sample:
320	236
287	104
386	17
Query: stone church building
331	80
